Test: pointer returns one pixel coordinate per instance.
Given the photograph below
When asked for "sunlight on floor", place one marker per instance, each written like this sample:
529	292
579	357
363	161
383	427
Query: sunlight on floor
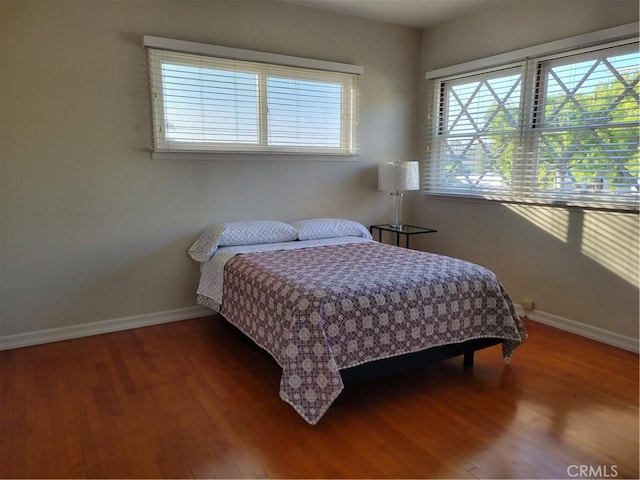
588	425
575	429
232	461
612	241
554	221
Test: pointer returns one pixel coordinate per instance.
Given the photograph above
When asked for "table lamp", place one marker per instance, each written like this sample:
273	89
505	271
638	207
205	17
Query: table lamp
397	177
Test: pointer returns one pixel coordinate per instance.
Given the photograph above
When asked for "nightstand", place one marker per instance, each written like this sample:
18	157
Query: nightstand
406	230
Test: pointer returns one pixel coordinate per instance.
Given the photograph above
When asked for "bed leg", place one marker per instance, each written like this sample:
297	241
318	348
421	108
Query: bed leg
468	359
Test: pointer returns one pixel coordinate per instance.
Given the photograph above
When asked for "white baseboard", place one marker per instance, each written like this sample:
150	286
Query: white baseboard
582	329
106	326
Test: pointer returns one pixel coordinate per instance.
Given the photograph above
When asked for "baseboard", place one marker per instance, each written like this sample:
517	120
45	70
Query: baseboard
106	326
582	329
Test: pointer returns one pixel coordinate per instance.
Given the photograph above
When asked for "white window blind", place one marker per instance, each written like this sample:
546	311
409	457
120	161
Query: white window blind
560	129
212	104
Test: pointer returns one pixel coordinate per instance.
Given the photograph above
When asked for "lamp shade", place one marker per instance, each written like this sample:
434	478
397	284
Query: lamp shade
395	176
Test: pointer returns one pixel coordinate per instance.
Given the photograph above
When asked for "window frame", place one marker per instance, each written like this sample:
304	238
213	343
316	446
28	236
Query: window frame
443	112
264	65
532	63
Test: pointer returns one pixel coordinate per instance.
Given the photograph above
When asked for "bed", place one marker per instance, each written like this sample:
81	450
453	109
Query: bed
323	299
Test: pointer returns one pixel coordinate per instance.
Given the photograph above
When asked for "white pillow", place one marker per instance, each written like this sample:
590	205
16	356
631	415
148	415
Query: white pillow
315	228
240	233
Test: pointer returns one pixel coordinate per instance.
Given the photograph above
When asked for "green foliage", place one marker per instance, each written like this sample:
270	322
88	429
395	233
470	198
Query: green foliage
590	140
586	141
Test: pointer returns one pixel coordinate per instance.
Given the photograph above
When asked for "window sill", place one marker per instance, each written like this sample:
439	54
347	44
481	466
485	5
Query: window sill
251	155
532	203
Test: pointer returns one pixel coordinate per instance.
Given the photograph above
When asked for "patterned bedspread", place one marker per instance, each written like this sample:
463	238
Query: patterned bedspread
318	310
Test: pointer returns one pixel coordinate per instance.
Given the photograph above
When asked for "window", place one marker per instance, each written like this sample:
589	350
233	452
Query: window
210	103
559	129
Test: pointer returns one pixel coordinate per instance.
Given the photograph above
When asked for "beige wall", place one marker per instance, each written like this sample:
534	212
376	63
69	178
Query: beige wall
92	228
582	266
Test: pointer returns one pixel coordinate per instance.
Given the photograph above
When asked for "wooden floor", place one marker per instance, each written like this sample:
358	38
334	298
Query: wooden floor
193	399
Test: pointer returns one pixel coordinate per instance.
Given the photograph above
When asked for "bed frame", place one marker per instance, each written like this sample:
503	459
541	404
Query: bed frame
408	361
400	363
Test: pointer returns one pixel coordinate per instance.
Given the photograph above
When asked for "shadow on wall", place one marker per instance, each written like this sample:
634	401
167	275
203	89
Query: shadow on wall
578	264
606	238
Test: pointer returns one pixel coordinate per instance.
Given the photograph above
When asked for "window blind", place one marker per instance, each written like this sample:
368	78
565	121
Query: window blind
210	104
560	129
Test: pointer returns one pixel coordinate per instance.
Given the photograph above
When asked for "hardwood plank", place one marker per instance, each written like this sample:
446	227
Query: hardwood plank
194	399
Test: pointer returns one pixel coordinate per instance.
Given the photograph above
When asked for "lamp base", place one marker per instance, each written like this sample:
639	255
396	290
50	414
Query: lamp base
397	209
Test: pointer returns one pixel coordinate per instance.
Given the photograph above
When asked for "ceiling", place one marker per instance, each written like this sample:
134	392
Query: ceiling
413	13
